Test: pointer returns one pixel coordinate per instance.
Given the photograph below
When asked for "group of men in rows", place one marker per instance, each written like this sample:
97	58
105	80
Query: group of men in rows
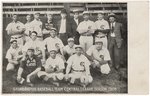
66	50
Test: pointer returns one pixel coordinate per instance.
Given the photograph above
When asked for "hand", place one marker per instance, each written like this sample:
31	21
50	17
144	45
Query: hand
66	76
43	61
16	62
18	78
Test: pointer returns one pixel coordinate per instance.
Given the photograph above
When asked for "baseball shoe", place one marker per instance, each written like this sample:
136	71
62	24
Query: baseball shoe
30	84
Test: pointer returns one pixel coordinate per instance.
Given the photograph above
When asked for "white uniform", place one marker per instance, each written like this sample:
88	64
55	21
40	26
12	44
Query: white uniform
28	28
12	54
86	40
103	54
36	25
102	25
15	28
51	63
79	66
37	45
53	43
70	51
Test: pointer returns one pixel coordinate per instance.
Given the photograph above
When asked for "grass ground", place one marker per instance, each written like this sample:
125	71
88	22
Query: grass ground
101	84
110	83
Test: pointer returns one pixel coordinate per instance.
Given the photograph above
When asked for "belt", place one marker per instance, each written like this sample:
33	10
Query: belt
100	36
86	35
40	36
16	37
78	70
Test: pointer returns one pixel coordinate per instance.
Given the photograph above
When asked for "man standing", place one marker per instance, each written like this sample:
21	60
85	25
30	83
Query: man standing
28	68
78	68
115	40
15	29
100	56
28	28
74	24
64	27
36	25
14	55
53	69
102	29
86	29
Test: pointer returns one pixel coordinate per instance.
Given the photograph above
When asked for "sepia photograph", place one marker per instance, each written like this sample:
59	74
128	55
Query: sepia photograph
72	47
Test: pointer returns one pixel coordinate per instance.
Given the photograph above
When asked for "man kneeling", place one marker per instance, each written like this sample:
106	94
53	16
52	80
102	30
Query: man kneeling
53	69
99	55
78	64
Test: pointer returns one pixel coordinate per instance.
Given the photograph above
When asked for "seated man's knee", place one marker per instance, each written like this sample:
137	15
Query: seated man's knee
10	67
40	73
90	79
82	79
60	76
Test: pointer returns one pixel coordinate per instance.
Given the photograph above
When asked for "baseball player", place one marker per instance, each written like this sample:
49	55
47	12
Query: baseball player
102	29
15	29
53	42
29	67
36	25
53	69
28	28
69	49
37	45
14	55
78	68
100	56
86	29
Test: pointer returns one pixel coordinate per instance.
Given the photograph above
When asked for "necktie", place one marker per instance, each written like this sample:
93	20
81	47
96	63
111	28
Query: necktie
112	28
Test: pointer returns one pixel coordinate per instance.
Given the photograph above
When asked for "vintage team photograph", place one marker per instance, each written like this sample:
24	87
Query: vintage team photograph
64	47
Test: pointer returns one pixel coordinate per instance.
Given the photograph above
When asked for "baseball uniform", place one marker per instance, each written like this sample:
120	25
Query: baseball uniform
36	25
29	65
37	45
103	54
28	31
53	43
102	25
86	39
15	29
12	54
54	64
79	66
68	50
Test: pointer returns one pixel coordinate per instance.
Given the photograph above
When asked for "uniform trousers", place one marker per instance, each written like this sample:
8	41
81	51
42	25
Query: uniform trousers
86	42
80	75
53	75
104	39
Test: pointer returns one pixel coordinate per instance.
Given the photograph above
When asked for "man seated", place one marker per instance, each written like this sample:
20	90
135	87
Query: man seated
100	56
14	55
29	67
53	69
78	68
37	45
69	49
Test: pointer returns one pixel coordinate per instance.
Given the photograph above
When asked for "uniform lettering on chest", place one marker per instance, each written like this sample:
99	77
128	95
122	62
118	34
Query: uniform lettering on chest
102	57
82	63
31	63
